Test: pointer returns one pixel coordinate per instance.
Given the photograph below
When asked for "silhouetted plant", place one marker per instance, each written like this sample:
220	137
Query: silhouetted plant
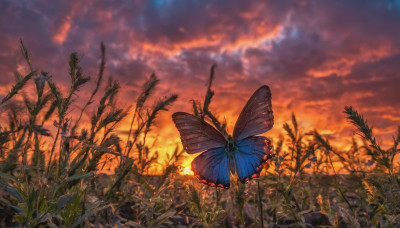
51	165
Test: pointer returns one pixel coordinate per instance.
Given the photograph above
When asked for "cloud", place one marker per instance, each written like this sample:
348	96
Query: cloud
316	56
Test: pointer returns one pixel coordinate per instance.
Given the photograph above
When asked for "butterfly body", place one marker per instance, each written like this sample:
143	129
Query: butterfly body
243	153
230	150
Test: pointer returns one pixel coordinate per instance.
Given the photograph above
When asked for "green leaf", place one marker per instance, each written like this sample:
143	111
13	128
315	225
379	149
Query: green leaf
88	213
64	201
7	176
79	176
18	209
14	192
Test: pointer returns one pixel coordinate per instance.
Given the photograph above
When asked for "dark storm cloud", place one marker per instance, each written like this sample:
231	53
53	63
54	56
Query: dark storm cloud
317	56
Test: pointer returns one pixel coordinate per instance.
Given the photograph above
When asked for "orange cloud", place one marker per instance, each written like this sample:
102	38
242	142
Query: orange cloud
314	65
62	32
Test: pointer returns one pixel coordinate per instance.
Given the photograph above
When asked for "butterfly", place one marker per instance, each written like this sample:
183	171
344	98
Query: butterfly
242	152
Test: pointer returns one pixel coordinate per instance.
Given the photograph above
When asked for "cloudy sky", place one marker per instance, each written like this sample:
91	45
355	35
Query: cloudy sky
316	56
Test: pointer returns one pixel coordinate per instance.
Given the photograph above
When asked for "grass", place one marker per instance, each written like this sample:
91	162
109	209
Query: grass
59	185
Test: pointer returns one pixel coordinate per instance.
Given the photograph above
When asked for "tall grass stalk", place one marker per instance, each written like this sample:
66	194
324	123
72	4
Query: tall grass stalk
149	86
303	187
324	143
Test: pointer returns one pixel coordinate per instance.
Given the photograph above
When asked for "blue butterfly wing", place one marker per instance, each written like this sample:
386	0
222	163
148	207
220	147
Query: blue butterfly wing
212	168
252	153
196	134
256	117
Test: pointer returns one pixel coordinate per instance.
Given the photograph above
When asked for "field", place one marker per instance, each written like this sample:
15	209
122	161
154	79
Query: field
51	177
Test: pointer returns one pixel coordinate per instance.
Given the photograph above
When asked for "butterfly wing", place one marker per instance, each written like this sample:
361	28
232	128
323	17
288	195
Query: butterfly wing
196	134
212	168
252	153
256	117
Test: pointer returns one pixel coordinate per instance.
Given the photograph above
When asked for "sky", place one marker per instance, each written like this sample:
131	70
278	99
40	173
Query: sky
316	56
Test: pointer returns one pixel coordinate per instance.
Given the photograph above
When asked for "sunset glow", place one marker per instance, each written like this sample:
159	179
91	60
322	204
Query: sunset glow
315	56
186	171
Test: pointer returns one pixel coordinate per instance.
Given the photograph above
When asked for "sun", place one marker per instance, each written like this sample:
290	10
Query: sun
186	171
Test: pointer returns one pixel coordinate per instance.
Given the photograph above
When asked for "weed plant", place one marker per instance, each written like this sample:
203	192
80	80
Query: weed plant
51	158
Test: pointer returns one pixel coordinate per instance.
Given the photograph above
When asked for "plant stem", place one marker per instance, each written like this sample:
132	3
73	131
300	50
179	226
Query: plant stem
216	195
129	133
337	184
260	204
52	150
